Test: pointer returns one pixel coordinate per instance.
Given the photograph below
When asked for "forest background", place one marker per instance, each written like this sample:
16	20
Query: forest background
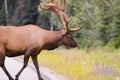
95	57
100	19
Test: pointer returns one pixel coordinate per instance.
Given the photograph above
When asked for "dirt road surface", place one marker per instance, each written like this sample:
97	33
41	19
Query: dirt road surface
13	65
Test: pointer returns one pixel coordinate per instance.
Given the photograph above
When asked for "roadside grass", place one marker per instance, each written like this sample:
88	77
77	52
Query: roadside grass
65	62
81	65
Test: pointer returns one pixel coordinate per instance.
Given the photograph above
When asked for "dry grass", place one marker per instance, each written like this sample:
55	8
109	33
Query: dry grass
80	65
97	64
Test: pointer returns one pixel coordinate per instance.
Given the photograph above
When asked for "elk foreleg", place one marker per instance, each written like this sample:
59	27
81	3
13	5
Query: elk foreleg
5	70
26	58
34	59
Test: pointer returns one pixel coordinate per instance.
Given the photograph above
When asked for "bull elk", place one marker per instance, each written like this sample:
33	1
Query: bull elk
29	40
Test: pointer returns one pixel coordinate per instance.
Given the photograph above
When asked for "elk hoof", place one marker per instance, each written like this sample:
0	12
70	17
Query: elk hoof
11	79
41	79
16	78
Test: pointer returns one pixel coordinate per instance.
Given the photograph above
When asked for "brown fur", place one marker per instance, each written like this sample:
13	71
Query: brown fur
29	40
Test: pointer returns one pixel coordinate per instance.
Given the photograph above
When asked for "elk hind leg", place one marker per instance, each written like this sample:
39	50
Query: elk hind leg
4	69
26	58
34	59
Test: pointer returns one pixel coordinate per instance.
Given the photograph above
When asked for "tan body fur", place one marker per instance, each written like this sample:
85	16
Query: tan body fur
16	40
29	40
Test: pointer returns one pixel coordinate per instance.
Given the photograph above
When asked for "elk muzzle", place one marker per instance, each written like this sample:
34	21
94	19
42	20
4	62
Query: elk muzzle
73	44
68	41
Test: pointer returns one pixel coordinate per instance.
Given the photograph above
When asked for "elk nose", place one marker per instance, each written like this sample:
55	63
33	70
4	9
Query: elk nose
74	45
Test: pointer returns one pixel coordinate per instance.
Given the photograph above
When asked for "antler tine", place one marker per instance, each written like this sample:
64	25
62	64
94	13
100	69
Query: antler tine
67	20
57	3
51	1
49	5
61	14
41	6
76	28
54	7
65	6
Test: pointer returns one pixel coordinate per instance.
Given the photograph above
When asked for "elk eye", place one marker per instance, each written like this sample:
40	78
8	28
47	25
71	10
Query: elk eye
69	37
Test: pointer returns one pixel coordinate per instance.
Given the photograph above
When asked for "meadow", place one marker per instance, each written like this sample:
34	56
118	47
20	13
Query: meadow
78	64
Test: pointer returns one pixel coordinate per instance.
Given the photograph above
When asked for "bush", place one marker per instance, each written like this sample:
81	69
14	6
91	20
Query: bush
117	42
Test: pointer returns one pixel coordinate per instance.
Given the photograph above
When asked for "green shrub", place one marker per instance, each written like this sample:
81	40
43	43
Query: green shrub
117	42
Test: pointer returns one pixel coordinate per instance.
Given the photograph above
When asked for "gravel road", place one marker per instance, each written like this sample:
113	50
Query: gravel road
13	65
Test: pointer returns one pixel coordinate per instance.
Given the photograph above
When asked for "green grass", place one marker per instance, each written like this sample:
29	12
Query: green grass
80	65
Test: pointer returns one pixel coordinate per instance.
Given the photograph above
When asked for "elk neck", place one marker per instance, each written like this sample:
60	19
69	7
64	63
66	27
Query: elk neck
53	40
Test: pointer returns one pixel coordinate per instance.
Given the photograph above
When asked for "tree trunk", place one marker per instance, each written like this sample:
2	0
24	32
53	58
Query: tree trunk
24	12
2	13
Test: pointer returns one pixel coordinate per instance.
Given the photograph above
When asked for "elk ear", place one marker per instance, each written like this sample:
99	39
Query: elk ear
64	32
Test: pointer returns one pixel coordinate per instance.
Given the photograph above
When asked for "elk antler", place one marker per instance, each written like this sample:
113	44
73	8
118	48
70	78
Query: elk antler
61	13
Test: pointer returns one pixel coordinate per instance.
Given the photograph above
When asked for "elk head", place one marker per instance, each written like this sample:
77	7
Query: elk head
64	19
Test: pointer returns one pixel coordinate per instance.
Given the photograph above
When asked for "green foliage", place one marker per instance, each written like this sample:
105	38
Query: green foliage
100	19
116	10
117	42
